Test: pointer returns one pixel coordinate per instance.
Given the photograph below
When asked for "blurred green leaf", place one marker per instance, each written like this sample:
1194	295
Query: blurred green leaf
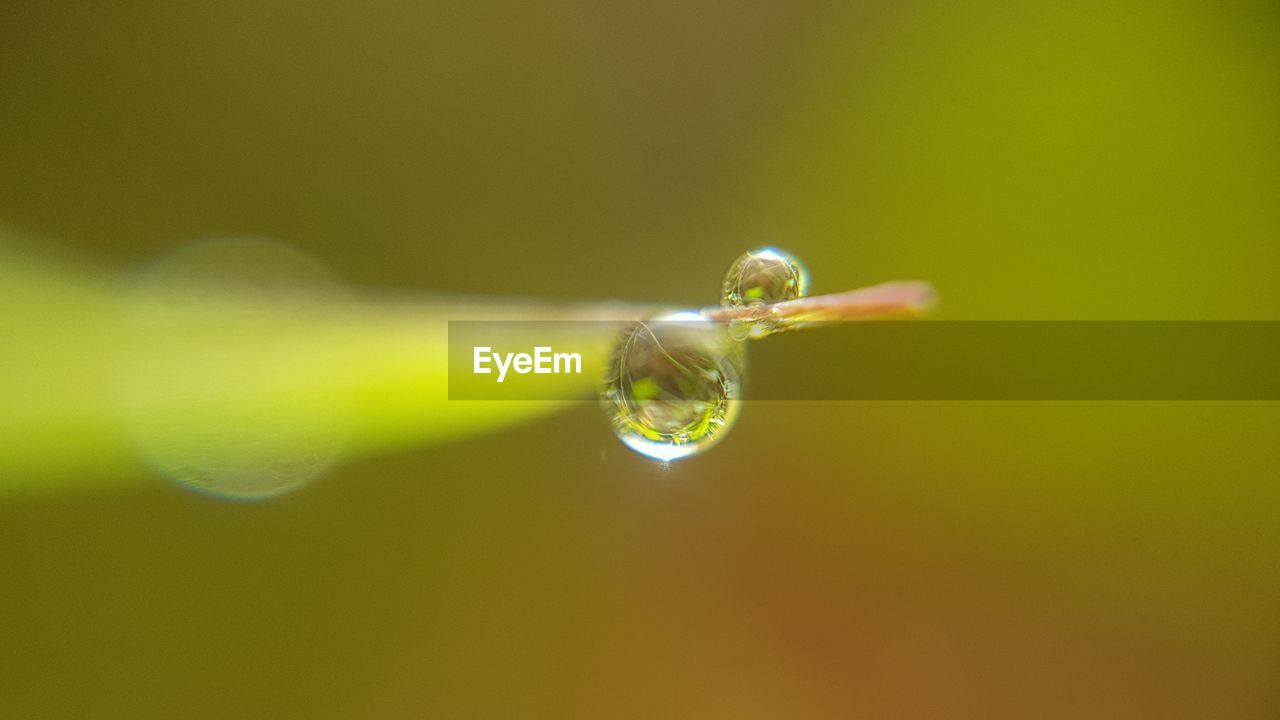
101	377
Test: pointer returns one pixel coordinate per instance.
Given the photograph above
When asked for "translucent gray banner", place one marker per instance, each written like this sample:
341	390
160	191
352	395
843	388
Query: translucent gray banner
916	360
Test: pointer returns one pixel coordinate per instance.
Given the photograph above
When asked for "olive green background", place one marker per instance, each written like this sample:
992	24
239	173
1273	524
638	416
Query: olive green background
1102	160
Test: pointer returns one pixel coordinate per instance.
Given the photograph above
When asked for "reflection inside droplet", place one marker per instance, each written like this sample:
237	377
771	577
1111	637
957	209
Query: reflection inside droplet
674	385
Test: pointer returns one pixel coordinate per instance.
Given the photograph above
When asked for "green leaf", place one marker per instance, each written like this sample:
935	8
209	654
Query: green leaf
101	379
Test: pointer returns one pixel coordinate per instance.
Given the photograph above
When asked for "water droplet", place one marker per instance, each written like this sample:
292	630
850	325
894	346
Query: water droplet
202	321
674	385
764	277
758	279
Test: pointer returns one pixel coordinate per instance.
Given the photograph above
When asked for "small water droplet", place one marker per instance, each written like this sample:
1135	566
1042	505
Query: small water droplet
674	385
764	277
758	279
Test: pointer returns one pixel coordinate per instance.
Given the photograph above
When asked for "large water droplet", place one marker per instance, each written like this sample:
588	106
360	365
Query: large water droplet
674	385
202	322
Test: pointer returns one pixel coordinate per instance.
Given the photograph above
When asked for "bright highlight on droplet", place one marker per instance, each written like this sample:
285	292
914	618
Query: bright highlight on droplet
674	385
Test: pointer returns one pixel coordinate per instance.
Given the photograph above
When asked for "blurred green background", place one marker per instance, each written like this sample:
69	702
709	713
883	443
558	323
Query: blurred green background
1114	160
